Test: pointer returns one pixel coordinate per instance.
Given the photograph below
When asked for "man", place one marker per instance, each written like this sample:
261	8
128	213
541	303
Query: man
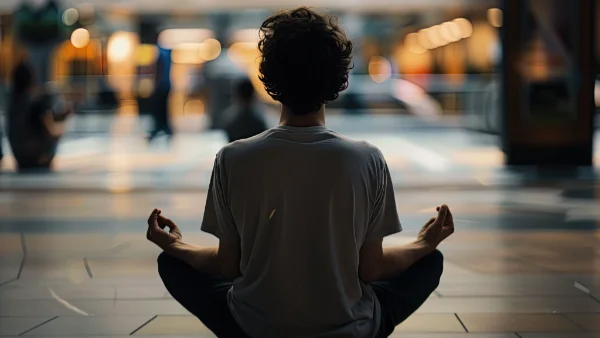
244	118
162	90
301	212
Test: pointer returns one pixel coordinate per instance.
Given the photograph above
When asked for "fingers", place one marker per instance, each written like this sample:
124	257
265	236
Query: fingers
441	218
152	220
428	223
449	222
164	221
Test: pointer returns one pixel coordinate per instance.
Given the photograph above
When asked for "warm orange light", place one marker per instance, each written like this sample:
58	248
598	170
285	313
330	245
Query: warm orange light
243	54
210	49
436	39
423	39
192	107
450	31
187	53
466	28
411	42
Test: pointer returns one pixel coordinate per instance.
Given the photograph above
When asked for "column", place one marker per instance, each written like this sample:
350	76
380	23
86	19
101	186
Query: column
548	87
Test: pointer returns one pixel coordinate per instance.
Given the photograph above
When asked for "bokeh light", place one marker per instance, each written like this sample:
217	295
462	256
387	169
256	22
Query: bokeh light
80	38
495	17
411	42
70	16
193	106
243	53
435	37
210	49
450	31
423	39
380	69
170	38
120	46
145	88
188	54
246	35
146	54
465	26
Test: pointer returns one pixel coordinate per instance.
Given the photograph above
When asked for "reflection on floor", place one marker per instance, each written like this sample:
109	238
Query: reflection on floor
525	261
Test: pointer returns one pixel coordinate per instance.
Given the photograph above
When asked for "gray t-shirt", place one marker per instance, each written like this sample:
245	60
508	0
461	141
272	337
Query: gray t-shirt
301	202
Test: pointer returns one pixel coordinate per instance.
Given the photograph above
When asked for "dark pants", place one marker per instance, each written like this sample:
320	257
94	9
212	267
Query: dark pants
206	297
160	114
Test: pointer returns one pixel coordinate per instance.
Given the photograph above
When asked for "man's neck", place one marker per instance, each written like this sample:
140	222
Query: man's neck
312	119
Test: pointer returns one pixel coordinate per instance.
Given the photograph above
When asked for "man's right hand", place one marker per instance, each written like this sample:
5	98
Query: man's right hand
156	233
437	229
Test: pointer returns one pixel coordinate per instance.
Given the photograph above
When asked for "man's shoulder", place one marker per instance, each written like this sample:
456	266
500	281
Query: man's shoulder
242	146
339	142
360	146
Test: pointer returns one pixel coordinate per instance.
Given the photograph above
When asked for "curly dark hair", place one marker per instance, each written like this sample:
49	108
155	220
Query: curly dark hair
306	58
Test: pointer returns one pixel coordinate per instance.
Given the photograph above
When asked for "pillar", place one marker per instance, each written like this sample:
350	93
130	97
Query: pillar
548	82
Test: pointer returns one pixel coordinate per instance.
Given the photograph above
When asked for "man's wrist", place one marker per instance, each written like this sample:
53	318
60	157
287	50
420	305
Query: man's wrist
173	246
425	246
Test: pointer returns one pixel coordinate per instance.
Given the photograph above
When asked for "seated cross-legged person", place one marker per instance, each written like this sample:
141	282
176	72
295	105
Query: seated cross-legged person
300	212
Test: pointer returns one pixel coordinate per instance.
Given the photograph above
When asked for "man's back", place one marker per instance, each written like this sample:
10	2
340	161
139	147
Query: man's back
302	201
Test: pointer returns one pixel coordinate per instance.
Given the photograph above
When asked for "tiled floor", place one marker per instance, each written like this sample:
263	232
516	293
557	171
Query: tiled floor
524	262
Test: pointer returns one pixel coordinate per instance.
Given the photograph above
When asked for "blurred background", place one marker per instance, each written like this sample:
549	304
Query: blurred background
424	62
433	60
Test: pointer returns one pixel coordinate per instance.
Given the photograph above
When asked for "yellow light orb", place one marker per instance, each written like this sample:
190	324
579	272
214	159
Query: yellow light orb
80	38
210	50
450	31
423	39
466	28
120	46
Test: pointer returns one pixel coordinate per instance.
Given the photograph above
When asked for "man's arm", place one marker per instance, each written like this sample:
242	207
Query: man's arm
377	262
215	261
222	261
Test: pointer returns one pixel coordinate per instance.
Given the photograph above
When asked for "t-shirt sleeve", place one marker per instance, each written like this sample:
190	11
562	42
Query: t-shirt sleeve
218	218
384	219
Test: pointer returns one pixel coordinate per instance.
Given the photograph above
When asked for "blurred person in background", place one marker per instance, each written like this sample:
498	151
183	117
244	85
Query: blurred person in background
300	212
244	118
162	90
35	120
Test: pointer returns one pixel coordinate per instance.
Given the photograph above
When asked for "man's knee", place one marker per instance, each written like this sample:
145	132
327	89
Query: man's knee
435	264
165	265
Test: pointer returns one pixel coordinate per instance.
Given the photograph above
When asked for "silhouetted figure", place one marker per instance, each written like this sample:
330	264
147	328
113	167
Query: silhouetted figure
35	121
162	90
300	212
244	118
